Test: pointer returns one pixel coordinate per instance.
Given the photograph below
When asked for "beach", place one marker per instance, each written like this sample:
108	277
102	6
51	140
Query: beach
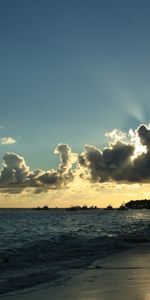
121	276
75	150
73	255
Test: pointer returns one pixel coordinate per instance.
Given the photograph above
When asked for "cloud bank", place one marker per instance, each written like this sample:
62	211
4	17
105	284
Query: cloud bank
126	159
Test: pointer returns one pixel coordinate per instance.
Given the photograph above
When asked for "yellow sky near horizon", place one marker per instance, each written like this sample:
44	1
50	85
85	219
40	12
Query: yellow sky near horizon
100	195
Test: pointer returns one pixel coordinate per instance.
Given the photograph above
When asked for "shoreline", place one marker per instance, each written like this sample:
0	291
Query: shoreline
120	276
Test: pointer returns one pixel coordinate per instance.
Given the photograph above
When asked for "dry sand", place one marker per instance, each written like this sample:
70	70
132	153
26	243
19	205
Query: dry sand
121	276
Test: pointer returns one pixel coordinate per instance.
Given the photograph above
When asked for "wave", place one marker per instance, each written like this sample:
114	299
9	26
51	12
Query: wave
42	261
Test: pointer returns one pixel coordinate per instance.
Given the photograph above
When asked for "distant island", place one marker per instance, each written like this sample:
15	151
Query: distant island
138	204
109	207
122	207
132	204
84	207
45	207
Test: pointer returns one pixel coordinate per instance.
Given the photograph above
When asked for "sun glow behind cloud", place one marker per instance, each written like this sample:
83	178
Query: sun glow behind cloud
101	196
139	148
89	177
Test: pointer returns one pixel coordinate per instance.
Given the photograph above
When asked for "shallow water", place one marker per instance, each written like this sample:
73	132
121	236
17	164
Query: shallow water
36	245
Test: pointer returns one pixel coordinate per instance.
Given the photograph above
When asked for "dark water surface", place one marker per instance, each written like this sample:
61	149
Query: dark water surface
37	245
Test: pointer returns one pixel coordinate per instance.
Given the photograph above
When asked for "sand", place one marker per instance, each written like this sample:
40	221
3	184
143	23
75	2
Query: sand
122	276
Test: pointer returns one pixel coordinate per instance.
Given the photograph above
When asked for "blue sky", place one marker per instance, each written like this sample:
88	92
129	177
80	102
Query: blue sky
70	71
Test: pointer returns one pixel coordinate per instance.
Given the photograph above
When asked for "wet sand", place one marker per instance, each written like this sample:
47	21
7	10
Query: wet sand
122	276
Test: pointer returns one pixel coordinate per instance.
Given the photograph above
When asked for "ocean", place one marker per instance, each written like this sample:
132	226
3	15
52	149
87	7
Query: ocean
38	246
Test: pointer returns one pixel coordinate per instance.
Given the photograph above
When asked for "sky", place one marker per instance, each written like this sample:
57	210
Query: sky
70	72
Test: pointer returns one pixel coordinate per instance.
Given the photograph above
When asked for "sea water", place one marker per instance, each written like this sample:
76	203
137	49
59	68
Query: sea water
36	246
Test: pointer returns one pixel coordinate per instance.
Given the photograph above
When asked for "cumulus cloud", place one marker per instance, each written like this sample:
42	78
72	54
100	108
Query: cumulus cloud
126	159
67	158
15	170
7	140
122	161
16	174
142	162
116	135
50	178
110	164
144	135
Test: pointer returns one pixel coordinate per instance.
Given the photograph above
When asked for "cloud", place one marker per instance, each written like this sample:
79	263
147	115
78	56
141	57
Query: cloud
14	171
50	178
110	164
141	164
16	174
122	161
116	135
8	140
144	135
67	158
126	160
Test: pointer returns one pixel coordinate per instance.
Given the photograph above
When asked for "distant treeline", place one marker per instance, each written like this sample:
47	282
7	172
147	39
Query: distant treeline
138	204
